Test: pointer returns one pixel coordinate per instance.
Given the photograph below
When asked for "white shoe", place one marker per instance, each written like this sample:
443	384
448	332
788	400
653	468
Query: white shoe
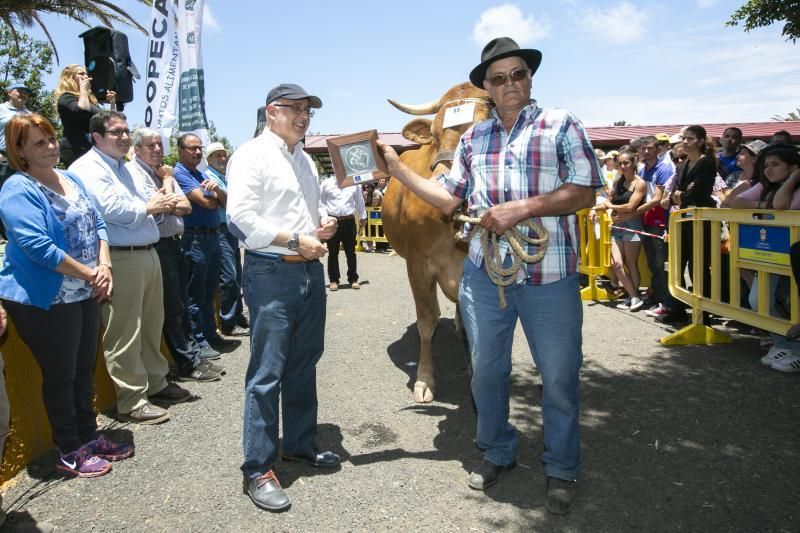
790	363
625	305
636	303
775	355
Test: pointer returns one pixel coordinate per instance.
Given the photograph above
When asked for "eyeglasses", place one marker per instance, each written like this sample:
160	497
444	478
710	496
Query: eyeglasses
680	158
119	133
298	110
501	78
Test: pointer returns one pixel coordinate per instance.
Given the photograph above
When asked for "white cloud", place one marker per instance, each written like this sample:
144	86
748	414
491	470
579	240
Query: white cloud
210	22
621	23
508	20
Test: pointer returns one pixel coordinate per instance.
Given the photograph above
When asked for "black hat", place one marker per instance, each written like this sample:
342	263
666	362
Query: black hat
500	48
290	91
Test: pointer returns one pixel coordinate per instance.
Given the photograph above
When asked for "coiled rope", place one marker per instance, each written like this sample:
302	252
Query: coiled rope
500	276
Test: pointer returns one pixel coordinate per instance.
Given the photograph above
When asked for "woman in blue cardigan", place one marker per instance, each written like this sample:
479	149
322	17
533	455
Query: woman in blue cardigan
55	273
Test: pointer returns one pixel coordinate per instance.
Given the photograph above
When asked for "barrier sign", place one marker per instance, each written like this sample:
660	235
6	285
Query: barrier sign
767	244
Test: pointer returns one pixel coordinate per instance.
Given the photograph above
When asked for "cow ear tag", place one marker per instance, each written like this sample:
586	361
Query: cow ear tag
458	115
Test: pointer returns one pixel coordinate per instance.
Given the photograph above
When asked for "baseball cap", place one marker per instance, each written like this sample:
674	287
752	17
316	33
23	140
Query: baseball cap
19	87
755	146
290	91
662	137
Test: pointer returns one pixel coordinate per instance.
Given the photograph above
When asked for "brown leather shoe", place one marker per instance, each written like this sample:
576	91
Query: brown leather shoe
171	394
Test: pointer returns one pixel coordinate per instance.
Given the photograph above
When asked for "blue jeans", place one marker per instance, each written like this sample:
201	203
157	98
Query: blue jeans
287	337
230	279
552	318
202	253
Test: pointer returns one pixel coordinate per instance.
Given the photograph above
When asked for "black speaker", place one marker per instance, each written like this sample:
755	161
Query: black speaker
108	62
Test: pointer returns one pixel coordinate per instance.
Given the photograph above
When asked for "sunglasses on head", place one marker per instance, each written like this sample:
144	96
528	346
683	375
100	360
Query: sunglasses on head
501	78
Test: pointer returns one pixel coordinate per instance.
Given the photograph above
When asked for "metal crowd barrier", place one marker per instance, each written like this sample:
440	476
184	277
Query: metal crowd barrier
595	256
373	231
759	241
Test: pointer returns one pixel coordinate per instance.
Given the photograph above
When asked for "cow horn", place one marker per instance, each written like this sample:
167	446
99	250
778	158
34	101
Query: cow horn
430	108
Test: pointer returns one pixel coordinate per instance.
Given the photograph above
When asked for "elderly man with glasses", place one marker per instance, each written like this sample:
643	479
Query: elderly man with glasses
134	316
525	164
200	242
274	209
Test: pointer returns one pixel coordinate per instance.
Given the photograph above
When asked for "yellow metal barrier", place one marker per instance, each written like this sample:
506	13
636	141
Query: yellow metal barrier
373	231
764	256
595	256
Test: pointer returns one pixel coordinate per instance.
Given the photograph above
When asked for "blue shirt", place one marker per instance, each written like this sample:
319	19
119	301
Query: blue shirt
200	217
119	196
37	242
223	184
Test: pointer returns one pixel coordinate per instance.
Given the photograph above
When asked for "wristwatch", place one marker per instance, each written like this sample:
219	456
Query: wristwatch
294	243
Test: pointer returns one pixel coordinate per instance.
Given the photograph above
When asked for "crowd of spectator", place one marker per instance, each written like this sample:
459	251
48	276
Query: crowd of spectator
689	170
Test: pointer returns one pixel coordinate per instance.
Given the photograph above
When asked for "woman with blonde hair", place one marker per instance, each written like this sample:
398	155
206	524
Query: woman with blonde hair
76	105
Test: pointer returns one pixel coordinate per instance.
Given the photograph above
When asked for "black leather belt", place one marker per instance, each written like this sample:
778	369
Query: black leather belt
131	248
202	230
346	217
170	238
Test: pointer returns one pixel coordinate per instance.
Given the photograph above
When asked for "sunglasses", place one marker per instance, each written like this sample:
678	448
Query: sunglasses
502	78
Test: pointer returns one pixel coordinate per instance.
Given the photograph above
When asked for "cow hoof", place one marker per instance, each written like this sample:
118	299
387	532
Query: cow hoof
422	394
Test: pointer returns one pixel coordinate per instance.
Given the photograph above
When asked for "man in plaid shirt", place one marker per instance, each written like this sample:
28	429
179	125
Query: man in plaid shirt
523	163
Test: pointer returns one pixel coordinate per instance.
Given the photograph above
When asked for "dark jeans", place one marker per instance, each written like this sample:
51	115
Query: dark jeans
177	324
346	235
202	253
230	279
656	252
287	337
63	340
687	259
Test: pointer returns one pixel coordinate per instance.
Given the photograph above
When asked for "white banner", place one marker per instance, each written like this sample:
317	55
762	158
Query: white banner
163	70
192	98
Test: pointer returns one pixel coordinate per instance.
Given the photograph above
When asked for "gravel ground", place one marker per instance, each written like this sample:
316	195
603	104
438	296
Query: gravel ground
695	438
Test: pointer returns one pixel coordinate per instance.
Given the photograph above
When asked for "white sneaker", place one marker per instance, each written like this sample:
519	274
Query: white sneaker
636	303
625	305
790	363
775	354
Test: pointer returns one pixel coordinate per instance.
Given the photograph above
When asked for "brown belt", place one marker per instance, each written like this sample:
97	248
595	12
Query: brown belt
294	259
346	217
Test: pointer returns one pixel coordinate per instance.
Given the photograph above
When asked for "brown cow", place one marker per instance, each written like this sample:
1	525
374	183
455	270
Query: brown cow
420	233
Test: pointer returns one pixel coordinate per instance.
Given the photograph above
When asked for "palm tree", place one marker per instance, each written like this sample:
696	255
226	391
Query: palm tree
792	116
22	14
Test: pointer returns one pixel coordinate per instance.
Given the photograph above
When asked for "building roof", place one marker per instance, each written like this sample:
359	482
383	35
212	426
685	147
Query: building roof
619	135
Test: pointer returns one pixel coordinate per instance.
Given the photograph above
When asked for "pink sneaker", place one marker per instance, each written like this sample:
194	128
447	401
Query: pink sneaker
82	463
107	449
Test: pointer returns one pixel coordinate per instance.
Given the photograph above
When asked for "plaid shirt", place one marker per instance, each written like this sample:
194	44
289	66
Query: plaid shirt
546	149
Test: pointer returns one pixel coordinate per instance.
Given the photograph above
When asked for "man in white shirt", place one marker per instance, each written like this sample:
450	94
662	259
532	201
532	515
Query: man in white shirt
18	95
274	209
344	204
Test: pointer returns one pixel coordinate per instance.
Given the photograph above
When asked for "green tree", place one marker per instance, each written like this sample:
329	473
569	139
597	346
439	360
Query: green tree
23	14
620	123
793	116
27	61
760	13
172	157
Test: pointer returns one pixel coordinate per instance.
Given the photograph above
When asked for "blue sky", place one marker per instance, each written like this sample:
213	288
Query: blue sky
646	62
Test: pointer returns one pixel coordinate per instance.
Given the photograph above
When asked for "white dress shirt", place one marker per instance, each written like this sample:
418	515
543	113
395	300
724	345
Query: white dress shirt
270	190
342	202
168	225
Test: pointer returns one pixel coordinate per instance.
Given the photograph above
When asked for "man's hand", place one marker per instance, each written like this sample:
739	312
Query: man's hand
160	203
327	228
3	320
501	217
392	159
210	185
311	248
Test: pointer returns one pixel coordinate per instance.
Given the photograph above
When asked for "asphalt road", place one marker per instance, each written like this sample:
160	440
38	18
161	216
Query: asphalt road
697	438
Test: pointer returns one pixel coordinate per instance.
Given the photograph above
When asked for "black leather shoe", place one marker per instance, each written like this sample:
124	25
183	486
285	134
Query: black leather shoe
560	495
221	344
242	322
486	474
267	493
326	459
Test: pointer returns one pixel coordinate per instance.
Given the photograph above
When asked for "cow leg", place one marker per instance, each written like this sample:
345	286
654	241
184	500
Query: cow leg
426	300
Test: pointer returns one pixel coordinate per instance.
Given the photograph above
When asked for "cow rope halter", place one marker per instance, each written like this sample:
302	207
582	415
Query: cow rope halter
500	276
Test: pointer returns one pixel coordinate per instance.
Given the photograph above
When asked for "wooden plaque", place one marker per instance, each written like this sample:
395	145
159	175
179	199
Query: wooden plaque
356	158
